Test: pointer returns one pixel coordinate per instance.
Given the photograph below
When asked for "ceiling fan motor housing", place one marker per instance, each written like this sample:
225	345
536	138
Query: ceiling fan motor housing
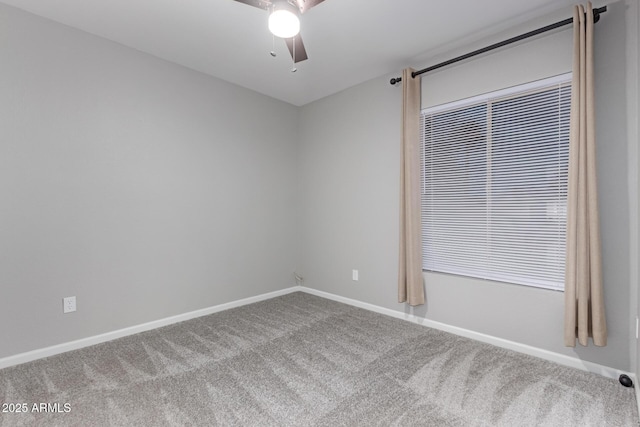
295	8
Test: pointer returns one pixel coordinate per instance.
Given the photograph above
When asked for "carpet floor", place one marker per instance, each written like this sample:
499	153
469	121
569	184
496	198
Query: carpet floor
301	360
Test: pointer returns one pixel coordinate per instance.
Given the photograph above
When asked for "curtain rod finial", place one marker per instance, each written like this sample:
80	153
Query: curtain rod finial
395	80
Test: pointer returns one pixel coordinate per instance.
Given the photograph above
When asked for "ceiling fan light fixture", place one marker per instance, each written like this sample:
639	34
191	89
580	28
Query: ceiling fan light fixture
284	23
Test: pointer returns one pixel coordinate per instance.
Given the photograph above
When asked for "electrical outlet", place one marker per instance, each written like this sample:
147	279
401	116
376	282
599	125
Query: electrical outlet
354	275
68	304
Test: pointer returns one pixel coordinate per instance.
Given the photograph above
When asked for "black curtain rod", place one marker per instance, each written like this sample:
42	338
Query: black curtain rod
596	18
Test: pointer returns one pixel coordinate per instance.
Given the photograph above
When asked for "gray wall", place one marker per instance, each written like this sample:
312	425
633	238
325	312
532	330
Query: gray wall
148	190
143	188
349	166
633	130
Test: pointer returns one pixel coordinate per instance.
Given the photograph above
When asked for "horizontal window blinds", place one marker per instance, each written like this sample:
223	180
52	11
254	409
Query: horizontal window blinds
494	186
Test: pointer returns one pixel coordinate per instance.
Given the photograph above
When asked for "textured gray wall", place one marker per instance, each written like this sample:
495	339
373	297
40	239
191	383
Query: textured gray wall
349	166
143	188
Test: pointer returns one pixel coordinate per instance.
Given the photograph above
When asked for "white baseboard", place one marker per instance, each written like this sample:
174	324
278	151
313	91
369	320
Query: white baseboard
97	339
561	359
511	345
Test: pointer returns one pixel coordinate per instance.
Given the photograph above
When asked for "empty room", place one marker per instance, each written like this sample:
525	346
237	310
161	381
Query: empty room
319	213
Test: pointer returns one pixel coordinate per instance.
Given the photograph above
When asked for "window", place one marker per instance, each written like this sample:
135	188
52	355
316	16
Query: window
494	184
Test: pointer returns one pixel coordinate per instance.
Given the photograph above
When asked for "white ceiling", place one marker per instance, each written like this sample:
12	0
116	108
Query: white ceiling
348	41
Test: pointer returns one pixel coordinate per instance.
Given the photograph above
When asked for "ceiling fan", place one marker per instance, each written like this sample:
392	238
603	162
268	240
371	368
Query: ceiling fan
284	22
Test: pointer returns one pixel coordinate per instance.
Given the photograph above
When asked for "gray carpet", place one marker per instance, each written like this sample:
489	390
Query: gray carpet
300	360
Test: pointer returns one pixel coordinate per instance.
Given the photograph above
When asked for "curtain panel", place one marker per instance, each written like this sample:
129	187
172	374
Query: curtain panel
584	303
410	279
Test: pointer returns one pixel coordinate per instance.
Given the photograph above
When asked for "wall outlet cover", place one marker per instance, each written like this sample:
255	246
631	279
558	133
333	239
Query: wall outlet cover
68	304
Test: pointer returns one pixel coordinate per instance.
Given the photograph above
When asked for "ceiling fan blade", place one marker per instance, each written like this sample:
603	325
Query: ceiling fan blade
301	53
261	4
305	5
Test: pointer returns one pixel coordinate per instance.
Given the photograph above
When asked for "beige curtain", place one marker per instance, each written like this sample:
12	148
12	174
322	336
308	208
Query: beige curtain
584	305
410	282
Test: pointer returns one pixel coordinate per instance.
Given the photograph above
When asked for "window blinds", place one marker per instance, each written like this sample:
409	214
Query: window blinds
494	185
